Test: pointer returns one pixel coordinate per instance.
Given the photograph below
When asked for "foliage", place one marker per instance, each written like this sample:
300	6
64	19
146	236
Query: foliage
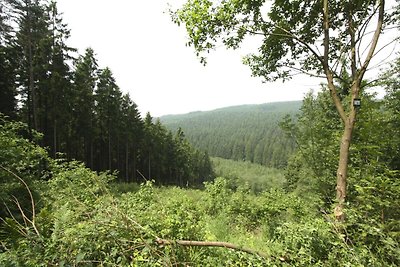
255	177
83	221
82	224
316	130
19	156
373	196
290	32
391	118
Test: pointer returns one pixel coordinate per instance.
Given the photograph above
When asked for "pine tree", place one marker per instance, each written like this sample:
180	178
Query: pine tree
58	112
34	49
108	101
8	62
131	137
82	133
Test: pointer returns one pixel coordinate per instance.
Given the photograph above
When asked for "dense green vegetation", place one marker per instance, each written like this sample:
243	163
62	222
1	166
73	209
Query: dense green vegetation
249	132
79	107
257	178
79	218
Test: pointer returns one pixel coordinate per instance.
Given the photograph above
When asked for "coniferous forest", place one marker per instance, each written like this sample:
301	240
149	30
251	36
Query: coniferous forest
86	181
243	133
79	108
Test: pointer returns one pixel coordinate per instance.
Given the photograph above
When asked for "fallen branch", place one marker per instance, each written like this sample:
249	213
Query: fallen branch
189	243
32	222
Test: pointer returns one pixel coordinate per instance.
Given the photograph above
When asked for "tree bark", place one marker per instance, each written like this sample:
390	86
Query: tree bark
126	161
55	139
341	176
32	88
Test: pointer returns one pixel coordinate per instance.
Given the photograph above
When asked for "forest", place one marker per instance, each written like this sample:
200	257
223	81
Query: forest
86	181
243	133
79	108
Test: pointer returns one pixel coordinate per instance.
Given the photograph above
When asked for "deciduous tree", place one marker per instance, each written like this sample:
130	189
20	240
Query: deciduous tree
318	38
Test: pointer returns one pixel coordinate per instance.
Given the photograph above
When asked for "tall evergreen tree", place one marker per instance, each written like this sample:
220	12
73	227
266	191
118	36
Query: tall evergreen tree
147	151
131	136
83	129
34	49
8	62
57	112
108	102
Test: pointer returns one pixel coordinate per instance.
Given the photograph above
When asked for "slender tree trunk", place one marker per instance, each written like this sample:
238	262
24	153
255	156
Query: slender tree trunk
109	151
91	153
55	138
31	75
126	161
32	88
134	165
149	173
118	167
344	155
341	182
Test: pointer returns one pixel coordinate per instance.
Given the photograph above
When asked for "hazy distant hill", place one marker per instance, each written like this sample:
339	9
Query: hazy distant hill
247	132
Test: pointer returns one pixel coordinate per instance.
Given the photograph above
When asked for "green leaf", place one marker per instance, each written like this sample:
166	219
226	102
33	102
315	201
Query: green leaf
80	257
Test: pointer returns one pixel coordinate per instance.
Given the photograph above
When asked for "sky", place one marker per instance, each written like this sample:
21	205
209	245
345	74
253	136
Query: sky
147	54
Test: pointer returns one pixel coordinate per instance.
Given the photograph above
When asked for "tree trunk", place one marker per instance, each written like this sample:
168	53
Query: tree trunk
55	139
91	153
126	161
32	89
109	151
344	155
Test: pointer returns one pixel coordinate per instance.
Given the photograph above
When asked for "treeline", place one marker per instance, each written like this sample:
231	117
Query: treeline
243	133
79	107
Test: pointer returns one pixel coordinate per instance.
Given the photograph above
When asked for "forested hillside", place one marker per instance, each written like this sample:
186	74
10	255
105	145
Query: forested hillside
244	133
79	107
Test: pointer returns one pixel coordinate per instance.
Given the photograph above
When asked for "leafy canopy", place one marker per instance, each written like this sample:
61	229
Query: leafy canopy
292	32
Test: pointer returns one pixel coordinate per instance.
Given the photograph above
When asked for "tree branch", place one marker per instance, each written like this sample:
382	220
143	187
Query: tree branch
189	243
32	222
374	41
291	35
352	47
328	72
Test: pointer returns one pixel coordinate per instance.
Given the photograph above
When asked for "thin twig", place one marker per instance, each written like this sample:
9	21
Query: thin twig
31	197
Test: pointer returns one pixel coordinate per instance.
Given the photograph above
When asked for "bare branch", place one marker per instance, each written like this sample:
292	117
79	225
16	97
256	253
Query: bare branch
294	37
31	197
328	72
374	42
326	35
301	71
385	46
20	227
353	57
26	219
189	243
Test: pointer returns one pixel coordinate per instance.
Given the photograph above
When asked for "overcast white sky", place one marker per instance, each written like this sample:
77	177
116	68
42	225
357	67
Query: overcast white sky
149	59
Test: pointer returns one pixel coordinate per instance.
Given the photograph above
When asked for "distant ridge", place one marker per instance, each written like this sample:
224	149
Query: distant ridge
266	106
243	132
